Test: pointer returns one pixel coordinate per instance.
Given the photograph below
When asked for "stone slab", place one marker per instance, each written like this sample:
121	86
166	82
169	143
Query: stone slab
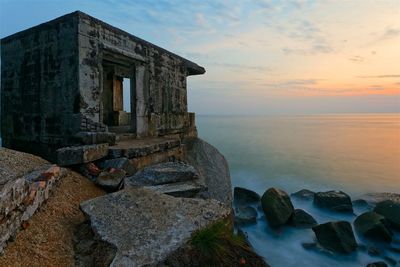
67	156
145	226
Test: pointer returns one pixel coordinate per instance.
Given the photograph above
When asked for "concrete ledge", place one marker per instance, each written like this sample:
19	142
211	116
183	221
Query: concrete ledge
81	154
20	198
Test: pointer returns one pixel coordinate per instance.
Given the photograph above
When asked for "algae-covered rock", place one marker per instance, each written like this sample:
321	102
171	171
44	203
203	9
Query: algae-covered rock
277	206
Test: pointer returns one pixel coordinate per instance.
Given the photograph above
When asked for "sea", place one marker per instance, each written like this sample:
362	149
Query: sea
355	153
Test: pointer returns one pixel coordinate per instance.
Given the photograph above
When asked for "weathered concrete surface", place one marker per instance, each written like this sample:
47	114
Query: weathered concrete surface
163	173
212	167
56	86
145	227
135	148
22	192
81	154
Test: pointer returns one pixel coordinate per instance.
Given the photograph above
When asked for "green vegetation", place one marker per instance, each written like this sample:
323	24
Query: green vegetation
217	245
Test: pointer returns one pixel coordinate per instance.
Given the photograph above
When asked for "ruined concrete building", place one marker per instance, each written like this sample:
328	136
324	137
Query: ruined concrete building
77	81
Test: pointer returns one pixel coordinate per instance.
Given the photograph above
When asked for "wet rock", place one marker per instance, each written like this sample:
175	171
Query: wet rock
163	173
212	167
110	180
146	227
336	236
302	219
373	225
118	163
310	245
377	264
243	196
374	198
373	251
277	206
303	194
245	215
333	200
390	260
360	203
390	210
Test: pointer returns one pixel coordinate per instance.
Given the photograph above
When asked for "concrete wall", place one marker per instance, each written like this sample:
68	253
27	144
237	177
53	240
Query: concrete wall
161	96
39	80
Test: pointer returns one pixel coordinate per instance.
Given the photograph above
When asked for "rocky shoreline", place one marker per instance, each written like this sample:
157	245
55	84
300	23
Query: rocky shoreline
376	220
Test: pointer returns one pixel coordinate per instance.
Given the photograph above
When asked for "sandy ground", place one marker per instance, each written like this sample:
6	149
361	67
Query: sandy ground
47	241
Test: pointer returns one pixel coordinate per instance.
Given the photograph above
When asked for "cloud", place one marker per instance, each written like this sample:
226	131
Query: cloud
357	59
315	49
380	76
391	33
241	66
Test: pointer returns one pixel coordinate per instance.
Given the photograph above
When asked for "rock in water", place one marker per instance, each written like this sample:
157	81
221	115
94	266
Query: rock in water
303	194
390	210
163	173
302	219
243	196
333	200
212	167
336	236
377	264
146	227
110	180
277	206
372	225
245	215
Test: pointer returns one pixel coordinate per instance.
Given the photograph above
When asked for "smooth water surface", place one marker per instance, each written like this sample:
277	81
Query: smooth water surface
354	153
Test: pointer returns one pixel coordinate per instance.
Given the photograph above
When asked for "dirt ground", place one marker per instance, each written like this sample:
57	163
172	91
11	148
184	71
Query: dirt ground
47	241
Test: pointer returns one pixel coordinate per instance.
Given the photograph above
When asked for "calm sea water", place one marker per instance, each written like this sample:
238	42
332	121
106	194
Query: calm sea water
354	153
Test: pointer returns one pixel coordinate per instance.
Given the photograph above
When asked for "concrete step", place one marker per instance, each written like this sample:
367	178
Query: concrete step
181	189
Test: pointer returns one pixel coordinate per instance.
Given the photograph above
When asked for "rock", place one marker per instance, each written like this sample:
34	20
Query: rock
373	251
181	189
277	206
374	198
110	180
212	168
119	163
245	215
146	227
390	210
372	225
361	203
333	200
303	194
309	246
245	196
302	219
390	260
81	154
377	264
336	236
162	173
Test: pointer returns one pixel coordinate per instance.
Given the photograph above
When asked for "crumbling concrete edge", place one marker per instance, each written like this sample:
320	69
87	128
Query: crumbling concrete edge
21	198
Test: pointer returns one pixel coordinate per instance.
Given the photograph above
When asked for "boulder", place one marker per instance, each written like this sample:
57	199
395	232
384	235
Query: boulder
302	219
145	227
242	196
162	173
277	206
373	225
110	180
118	163
333	200
304	194
377	264
336	236
390	210
360	203
212	168
245	215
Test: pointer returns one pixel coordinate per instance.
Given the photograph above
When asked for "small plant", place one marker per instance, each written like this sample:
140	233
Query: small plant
219	246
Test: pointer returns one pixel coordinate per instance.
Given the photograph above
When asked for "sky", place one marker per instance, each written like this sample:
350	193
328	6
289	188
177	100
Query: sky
262	57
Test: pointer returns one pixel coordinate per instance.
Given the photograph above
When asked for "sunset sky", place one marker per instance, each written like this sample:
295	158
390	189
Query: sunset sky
261	56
